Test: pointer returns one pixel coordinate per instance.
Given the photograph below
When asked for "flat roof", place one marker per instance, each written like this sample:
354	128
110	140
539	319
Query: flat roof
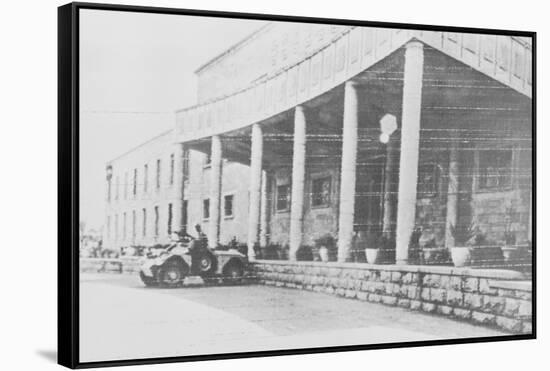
233	47
171	130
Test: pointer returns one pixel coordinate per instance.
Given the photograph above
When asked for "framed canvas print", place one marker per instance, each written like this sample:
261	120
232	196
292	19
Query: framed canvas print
240	185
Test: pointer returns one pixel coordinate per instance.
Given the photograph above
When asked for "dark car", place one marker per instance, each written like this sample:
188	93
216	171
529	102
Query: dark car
183	259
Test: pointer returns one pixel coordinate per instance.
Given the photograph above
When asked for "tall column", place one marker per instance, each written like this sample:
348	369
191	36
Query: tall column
178	196
215	191
264	211
183	177
452	193
388	186
531	210
298	178
255	188
410	140
348	172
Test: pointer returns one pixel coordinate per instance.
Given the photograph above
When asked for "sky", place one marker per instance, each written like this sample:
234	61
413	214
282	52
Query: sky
135	70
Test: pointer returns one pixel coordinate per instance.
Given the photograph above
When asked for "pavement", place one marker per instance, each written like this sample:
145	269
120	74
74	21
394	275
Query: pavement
122	319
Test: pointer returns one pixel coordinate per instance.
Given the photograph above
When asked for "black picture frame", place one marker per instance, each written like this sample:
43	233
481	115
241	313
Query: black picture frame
68	183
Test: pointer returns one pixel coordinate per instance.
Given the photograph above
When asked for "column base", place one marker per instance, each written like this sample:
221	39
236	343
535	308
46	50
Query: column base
402	262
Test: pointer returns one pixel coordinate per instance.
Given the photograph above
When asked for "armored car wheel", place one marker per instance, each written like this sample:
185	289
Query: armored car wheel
148	281
171	274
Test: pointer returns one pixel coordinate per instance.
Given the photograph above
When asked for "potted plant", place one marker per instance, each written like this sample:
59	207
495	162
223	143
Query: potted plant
463	236
510	246
372	248
325	246
414	246
304	253
282	252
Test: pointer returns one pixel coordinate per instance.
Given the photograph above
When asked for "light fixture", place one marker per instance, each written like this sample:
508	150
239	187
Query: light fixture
388	124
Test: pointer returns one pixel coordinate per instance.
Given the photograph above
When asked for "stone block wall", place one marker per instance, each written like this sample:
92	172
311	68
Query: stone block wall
495	298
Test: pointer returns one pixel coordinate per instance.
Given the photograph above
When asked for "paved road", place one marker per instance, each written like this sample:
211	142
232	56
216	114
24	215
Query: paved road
120	318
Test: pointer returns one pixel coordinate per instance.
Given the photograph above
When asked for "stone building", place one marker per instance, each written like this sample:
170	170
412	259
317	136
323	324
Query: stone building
304	130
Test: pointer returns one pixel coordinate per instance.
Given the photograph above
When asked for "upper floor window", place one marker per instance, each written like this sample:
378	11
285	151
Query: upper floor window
169	219
495	169
172	163
206	208
125	185
228	206
117	188
158	174
320	191
283	197
145	177
134	185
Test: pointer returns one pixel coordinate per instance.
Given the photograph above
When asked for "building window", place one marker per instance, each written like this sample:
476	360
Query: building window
144	226
145	177
126	185
116	227
228	206
207	160
169	219
133	226
185	164
158	174
134	188
156	221
320	191
283	197
428	180
184	216
172	161
206	208
117	188
495	169
124	225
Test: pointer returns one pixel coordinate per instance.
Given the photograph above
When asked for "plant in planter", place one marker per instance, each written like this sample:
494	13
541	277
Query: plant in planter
372	248
380	248
463	236
283	252
325	246
472	247
304	253
270	252
510	246
414	246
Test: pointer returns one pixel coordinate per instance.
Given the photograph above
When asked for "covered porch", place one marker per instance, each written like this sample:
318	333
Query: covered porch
328	172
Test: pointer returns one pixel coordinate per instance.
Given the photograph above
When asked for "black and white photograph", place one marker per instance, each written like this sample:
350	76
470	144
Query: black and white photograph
248	184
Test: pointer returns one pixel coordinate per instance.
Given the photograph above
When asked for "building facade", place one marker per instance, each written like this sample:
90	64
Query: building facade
303	131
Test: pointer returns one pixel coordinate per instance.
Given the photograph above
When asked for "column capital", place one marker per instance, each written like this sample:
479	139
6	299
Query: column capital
414	44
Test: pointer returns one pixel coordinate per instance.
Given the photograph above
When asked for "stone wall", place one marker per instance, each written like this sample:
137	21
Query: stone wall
102	265
496	298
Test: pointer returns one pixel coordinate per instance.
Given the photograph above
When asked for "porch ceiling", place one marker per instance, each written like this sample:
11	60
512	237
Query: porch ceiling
455	96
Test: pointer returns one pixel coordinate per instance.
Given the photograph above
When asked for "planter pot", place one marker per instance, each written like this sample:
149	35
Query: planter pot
372	255
460	256
509	253
323	254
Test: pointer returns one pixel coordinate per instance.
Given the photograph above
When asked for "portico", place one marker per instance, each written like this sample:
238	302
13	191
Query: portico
318	166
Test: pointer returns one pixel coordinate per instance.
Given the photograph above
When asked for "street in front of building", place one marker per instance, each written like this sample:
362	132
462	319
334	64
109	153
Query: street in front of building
122	319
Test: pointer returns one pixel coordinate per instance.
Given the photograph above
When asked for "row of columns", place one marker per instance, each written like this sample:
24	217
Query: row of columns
408	171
